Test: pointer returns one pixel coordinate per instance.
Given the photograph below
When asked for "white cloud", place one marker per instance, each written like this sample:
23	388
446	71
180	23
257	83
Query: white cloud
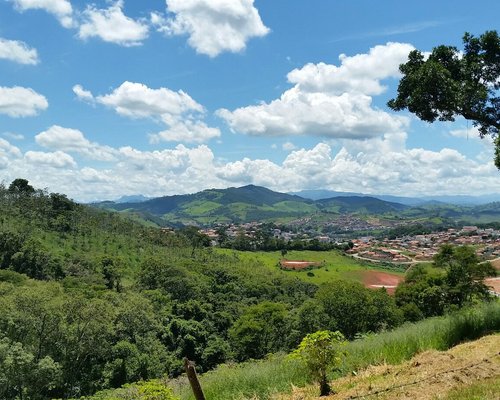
361	73
213	26
17	51
61	9
186	131
21	102
83	94
329	101
466	133
57	159
381	165
8	149
111	25
176	109
288	146
73	140
13	135
136	100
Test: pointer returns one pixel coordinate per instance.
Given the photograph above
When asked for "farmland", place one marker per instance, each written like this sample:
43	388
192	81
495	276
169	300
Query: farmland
335	265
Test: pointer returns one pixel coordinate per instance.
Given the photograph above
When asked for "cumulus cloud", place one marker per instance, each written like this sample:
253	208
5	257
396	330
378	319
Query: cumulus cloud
176	109
21	102
186	131
213	26
361	73
17	51
111	25
73	140
57	159
329	101
8	149
382	165
136	100
61	9
82	94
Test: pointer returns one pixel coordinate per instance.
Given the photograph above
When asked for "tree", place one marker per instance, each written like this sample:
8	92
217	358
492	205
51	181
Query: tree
464	274
262	329
21	186
322	353
451	83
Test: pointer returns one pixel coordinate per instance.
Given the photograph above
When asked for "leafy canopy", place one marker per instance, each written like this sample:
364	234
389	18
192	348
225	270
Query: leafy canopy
322	353
451	83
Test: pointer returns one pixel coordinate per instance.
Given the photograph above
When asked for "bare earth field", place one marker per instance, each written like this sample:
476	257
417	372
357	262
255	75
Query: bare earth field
430	375
378	279
293	264
493	283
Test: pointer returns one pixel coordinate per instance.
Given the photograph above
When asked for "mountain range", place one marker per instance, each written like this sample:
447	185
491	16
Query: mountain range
409	201
256	203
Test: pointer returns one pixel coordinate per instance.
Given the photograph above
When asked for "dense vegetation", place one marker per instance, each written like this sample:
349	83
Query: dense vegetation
91	301
260	379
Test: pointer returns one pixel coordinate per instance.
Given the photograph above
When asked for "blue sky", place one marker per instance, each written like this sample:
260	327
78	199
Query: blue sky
109	98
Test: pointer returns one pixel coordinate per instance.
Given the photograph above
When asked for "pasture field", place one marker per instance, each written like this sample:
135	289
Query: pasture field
336	265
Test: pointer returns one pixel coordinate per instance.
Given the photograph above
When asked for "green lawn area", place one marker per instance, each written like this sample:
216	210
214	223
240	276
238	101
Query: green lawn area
336	265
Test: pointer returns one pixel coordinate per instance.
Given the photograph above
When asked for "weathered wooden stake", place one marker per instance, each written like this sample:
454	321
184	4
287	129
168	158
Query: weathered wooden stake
193	379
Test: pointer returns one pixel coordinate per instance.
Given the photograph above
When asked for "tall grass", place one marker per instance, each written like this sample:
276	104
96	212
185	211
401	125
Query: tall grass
260	379
438	333
250	380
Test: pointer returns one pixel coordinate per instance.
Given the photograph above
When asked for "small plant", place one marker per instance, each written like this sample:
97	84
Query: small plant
322	353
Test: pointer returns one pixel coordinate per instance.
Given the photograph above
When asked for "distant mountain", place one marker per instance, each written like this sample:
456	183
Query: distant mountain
360	204
138	198
256	203
409	201
245	204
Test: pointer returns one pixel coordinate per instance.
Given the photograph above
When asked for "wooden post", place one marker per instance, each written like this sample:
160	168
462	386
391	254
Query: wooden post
193	379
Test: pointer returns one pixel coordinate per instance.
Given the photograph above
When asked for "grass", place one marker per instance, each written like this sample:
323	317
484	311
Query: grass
487	389
260	379
438	333
337	266
253	379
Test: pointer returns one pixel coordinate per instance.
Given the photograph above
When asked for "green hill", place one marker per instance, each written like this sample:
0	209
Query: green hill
246	204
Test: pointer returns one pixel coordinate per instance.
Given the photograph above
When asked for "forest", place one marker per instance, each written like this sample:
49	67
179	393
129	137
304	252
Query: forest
92	301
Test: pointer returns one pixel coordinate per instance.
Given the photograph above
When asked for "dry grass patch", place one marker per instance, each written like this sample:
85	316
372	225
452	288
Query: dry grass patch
428	376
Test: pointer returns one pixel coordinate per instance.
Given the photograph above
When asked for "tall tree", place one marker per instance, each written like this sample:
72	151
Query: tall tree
451	83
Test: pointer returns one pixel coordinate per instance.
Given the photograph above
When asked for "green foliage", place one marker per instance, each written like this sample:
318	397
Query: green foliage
261	379
247	380
455	280
322	353
22	375
450	83
262	329
151	390
368	310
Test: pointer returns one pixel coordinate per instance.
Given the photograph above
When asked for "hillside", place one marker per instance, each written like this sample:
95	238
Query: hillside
91	300
254	203
246	204
467	371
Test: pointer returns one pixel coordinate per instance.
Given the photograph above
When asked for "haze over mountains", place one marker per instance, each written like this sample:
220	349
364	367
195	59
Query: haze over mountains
410	201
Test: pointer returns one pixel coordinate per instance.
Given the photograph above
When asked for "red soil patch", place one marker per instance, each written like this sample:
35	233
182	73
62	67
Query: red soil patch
378	279
493	283
298	265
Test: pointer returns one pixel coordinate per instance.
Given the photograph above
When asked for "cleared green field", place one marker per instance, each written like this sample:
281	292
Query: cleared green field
336	265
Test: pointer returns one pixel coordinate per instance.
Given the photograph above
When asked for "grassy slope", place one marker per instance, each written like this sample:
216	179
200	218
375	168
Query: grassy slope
459	373
261	380
337	266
